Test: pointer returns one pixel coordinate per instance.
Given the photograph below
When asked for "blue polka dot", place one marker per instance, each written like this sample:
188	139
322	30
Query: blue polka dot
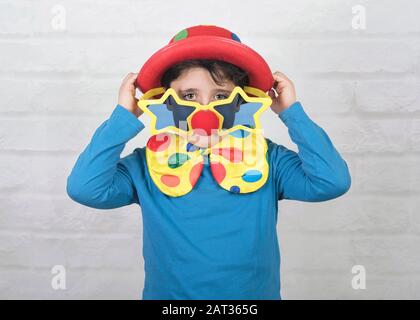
239	133
252	176
191	147
235	189
235	37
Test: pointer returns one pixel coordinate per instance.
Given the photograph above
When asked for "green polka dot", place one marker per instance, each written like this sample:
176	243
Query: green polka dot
181	35
177	159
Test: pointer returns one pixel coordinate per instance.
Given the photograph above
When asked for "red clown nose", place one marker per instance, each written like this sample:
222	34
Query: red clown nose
204	121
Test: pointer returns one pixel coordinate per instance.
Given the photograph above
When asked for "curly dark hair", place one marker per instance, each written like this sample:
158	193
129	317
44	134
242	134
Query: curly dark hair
220	71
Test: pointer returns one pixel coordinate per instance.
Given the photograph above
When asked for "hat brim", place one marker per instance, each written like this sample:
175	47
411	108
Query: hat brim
205	47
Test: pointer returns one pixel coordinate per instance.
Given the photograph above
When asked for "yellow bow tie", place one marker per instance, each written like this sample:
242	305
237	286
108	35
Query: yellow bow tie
238	160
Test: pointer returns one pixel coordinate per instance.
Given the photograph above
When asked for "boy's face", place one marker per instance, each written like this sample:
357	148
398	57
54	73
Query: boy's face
196	84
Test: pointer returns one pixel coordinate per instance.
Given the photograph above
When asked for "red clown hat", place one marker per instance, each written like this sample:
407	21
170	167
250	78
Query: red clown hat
205	42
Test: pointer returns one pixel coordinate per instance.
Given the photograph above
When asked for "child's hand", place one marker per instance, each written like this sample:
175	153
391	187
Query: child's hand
286	94
127	94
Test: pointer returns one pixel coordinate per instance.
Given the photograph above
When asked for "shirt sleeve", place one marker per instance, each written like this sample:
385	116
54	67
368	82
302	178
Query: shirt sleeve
100	178
317	172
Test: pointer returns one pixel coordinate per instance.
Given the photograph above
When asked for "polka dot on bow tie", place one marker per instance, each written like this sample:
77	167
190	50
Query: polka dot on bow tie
235	189
252	176
159	142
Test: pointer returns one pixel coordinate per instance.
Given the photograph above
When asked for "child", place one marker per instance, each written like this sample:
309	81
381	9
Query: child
210	242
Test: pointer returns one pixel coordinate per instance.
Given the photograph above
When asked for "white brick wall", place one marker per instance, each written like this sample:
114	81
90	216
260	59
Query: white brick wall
361	86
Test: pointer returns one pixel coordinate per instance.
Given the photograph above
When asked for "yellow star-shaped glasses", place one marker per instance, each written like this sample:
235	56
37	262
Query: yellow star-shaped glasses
250	102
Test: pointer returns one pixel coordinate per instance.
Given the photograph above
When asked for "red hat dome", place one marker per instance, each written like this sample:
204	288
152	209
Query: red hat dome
205	42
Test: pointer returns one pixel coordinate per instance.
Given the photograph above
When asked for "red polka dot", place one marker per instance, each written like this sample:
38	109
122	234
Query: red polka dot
218	170
231	154
170	180
158	142
195	173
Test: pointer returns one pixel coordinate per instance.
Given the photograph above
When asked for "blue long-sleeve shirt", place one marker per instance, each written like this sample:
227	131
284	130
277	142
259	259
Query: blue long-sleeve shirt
209	243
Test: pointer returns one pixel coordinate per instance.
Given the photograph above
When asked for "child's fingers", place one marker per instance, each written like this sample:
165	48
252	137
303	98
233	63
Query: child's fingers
130	78
272	93
280	85
281	78
278	78
279	75
133	77
128	75
281	81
